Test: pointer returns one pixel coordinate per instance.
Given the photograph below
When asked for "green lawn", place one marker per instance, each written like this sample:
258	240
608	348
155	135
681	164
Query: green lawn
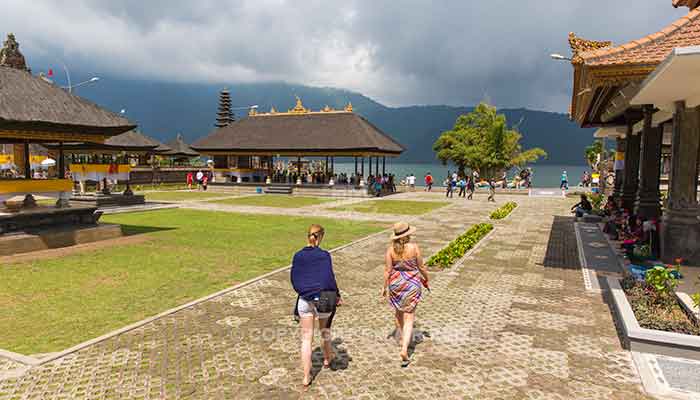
51	304
275	200
183	196
401	207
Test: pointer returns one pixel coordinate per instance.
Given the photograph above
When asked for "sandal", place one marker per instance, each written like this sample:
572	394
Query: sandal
305	386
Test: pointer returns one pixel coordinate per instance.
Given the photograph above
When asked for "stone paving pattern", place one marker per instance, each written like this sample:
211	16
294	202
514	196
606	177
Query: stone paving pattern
512	322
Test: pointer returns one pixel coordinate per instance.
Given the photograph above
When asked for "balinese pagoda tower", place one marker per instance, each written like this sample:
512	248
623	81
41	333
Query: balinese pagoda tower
224	116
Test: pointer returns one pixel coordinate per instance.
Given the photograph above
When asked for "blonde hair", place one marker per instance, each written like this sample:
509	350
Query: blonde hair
399	245
315	233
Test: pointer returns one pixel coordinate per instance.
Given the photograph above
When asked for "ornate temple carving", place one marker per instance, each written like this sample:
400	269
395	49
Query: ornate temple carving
686	3
10	56
580	45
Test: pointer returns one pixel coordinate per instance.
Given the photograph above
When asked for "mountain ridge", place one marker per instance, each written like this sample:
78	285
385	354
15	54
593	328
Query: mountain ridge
163	109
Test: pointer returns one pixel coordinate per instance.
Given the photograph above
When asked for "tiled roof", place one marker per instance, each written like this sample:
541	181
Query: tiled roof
686	3
651	49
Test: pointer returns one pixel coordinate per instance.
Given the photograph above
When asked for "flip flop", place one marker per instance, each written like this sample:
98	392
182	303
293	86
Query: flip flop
405	363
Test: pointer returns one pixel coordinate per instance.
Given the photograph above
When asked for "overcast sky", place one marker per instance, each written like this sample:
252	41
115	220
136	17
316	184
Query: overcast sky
399	52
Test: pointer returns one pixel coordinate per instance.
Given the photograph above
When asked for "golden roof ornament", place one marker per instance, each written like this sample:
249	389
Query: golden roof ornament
272	110
327	109
580	45
348	108
299	108
253	112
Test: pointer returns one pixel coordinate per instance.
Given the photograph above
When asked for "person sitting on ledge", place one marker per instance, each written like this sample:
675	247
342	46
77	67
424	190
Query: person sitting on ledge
582	207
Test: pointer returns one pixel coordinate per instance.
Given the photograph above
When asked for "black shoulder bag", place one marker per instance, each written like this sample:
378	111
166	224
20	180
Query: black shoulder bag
327	301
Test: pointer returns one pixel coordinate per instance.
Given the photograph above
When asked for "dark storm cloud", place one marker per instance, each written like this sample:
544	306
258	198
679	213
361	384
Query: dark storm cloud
399	52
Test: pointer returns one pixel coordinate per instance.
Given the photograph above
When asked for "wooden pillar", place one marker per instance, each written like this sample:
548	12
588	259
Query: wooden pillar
27	163
376	166
332	165
680	233
631	174
619	166
362	166
61	162
355	165
326	167
370	165
648	200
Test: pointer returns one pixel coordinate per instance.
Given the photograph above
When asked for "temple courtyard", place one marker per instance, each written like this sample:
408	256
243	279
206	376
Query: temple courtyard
513	319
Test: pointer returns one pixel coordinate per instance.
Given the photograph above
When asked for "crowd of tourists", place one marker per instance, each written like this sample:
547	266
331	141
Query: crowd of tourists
318	294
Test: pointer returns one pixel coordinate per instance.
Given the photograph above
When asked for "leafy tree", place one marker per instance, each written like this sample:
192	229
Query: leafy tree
593	151
482	141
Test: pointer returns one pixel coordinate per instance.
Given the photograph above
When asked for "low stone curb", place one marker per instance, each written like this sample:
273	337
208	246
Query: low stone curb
649	340
30	361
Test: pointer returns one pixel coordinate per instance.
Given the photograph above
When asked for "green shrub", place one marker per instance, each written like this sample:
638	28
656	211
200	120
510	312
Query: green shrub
661	279
504	210
458	247
596	200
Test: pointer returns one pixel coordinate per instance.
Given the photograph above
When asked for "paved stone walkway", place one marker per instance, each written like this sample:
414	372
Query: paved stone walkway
514	321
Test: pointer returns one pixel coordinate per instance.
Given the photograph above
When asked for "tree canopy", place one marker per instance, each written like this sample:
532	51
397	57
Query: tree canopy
483	141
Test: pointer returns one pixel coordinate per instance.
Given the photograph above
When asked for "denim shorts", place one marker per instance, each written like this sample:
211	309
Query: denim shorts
308	309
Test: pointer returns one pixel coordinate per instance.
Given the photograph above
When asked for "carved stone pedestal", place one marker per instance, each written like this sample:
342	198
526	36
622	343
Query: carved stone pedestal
680	236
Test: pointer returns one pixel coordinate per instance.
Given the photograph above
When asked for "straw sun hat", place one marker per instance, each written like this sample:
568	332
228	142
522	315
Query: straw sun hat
402	229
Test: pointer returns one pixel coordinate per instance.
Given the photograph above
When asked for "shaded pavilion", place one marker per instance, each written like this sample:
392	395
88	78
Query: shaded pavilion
179	151
34	110
616	87
113	159
245	150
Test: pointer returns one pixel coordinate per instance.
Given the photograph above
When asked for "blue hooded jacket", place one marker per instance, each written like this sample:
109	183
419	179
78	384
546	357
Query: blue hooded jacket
312	272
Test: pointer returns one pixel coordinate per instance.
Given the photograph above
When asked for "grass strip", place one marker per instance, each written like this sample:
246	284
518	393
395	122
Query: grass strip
459	247
503	210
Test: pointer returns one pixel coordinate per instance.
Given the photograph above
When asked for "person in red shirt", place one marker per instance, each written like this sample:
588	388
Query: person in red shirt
205	181
428	182
189	180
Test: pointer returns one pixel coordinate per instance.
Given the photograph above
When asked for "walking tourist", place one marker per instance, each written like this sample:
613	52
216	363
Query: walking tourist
189	180
448	186
471	187
564	181
199	177
504	180
428	182
205	182
475	176
405	276
492	190
412	182
462	187
317	297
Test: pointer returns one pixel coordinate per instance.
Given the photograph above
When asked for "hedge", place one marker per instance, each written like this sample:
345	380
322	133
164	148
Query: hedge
458	247
504	210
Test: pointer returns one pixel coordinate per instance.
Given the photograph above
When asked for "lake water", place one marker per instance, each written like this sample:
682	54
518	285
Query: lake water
544	176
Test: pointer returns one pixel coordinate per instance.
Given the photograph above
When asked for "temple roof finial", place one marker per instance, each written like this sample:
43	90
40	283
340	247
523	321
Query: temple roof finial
348	108
10	56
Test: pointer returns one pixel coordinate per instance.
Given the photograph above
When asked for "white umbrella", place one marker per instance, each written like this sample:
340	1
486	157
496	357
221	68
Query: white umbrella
49	162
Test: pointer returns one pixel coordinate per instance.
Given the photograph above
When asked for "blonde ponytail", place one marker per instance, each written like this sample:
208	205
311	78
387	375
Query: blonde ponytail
399	245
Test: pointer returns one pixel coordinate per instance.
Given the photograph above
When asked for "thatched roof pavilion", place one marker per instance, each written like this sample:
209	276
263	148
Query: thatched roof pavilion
34	110
131	141
300	132
179	149
245	149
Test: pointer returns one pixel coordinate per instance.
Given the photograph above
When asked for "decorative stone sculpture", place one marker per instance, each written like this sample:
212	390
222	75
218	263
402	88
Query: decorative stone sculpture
10	56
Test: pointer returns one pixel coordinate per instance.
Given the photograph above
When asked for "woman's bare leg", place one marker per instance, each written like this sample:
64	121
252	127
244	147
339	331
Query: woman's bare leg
326	341
408	319
307	336
398	320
